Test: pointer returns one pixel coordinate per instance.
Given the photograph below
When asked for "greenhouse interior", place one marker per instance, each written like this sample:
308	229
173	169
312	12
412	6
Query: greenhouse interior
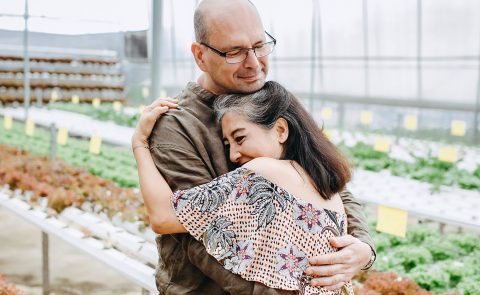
393	86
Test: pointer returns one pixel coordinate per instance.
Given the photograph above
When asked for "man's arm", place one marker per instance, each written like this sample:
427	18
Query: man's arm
357	222
355	250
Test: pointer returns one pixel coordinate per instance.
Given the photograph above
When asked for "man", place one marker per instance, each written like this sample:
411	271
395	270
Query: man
232	50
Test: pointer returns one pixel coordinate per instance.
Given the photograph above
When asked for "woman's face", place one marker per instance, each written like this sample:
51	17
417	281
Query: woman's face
248	140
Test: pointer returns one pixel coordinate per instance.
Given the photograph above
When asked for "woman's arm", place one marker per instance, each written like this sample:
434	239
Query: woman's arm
155	191
156	195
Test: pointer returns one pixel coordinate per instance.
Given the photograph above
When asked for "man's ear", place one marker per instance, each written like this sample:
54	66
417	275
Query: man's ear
281	127
197	52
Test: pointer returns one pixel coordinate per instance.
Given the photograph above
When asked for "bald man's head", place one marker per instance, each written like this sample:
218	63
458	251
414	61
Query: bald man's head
231	26
209	11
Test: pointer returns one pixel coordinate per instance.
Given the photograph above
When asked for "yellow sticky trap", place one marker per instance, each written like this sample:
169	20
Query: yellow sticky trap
382	145
392	221
54	95
145	92
7	122
117	106
328	133
366	118
96	102
75	99
410	122
458	128
141	108
62	136
29	127
447	154
95	145
327	113
163	93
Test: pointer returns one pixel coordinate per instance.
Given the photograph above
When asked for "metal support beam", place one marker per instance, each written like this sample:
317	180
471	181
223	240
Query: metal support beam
156	63
392	101
45	258
320	47
312	57
419	61
273	59
45	265
419	51
366	71
26	65
39	96
476	119
173	42
53	142
193	65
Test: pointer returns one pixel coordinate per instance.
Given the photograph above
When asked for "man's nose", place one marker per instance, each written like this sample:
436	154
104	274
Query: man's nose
252	60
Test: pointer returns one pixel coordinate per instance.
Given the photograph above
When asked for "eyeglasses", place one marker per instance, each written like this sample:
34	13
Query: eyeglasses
238	55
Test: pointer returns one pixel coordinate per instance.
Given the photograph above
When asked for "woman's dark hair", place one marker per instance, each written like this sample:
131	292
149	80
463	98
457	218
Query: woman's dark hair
306	143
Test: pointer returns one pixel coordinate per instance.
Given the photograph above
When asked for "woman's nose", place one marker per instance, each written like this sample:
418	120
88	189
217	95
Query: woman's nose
234	156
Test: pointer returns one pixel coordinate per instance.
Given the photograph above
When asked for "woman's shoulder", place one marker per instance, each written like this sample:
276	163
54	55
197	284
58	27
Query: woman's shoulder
263	164
270	168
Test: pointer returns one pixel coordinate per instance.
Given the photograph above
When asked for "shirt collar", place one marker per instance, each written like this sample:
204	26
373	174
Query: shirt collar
205	95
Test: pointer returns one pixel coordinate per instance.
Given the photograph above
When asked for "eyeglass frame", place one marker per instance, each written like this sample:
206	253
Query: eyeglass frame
224	53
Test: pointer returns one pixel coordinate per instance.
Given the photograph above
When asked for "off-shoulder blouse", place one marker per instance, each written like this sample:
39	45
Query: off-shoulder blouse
258	230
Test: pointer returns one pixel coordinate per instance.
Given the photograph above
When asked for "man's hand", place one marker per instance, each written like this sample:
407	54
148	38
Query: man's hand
333	270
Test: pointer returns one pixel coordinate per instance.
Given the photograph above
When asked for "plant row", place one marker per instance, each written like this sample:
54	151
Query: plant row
113	163
427	169
7	288
380	283
118	163
63	185
436	262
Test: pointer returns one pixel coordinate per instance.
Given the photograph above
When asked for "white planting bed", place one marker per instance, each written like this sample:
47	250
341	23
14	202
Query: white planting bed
449	205
131	256
77	124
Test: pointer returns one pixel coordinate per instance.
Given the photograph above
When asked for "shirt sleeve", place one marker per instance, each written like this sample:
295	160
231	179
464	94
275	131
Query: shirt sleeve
198	208
176	157
357	222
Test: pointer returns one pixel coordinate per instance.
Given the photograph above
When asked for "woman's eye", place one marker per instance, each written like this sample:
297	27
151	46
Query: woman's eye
239	139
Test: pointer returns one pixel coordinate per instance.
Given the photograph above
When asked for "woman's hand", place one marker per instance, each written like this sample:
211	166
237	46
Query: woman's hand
149	116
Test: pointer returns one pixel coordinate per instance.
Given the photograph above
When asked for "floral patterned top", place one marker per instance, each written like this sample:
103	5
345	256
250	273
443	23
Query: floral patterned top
259	230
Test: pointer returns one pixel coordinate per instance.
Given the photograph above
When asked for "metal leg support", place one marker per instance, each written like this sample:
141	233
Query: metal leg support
45	266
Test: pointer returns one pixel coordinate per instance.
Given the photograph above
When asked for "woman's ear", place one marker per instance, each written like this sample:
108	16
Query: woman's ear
281	127
197	52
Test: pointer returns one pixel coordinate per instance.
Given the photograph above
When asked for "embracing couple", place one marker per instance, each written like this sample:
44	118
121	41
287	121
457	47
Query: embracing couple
247	193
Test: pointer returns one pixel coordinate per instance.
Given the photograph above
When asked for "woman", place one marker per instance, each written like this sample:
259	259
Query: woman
264	219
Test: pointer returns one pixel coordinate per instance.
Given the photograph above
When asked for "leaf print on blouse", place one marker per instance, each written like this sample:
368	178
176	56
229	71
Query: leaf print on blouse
242	256
218	239
242	188
291	262
266	196
308	218
206	197
333	217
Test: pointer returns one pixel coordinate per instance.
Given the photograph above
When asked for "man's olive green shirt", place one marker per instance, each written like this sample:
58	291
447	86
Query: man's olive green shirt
187	148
